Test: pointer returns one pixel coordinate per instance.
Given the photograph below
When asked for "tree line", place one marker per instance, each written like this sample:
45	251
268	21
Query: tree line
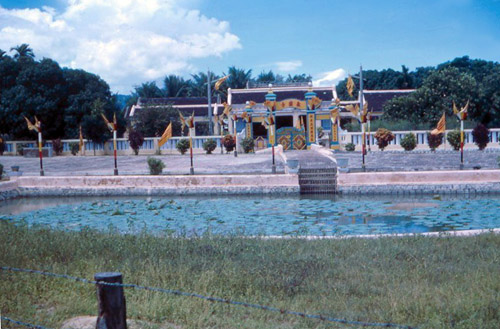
65	99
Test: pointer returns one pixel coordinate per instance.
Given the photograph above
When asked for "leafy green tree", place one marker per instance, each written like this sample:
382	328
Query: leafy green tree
266	77
198	86
176	86
149	90
151	121
23	51
238	78
298	78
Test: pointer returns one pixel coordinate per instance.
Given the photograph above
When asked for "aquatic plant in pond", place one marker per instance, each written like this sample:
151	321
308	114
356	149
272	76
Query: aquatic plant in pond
268	216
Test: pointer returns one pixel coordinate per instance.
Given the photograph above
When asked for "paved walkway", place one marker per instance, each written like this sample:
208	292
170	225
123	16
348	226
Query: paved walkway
251	163
137	165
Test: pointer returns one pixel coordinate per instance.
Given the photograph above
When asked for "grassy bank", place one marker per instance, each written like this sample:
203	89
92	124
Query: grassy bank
419	281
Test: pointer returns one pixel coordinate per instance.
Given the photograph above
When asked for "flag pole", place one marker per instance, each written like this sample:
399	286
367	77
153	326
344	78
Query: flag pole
114	151
235	139
361	109
272	147
209	102
461	144
191	170
40	151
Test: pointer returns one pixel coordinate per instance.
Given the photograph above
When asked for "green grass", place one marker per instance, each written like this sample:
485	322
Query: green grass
420	281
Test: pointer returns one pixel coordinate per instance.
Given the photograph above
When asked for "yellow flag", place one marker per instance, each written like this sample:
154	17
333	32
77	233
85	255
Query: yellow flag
190	121
455	110
220	82
110	125
314	103
333	115
81	144
227	109
350	85
353	110
30	125
183	120
441	126
167	134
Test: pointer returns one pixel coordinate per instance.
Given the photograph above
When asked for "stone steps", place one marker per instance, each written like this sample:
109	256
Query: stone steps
318	180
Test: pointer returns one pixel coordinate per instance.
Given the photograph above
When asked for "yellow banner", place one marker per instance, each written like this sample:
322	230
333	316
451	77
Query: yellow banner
291	102
312	125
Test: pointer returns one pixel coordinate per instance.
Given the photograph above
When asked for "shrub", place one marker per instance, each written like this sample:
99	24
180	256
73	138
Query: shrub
2	146
209	145
155	166
350	147
182	145
74	147
409	142
228	143
20	148
1	170
135	139
383	137
57	146
247	144
434	140
454	139
481	136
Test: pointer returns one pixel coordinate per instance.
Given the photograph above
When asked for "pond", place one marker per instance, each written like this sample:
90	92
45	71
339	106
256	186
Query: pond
258	215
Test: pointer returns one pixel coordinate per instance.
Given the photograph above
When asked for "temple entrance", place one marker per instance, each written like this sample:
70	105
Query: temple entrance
291	138
284	121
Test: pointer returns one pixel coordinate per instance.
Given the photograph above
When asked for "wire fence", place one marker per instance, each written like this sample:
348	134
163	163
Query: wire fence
207	298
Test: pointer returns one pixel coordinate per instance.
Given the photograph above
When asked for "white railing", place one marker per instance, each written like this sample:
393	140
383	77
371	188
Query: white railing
421	135
149	146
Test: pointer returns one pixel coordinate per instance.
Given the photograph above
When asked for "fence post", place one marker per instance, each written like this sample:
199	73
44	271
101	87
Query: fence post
111	302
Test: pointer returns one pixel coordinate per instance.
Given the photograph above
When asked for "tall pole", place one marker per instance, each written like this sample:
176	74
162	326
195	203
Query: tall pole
114	151
273	126
461	144
235	139
40	152
361	109
191	170
209	97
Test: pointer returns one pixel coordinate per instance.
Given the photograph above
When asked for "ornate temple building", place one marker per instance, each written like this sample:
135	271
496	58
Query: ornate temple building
302	115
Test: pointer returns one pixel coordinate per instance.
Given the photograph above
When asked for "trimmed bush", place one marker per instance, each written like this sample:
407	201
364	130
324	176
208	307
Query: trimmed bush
228	143
383	137
74	147
481	136
409	142
182	145
350	147
434	140
209	145
20	148
1	170
155	166
247	144
57	146
454	139
135	139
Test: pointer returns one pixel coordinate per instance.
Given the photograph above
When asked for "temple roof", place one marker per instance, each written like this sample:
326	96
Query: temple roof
258	95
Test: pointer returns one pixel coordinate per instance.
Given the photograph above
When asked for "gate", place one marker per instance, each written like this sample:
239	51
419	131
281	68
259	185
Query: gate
291	138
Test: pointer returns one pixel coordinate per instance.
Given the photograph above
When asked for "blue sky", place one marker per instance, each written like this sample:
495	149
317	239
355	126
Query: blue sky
315	37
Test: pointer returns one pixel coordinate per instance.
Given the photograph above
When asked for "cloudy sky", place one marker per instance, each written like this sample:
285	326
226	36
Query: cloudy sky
128	42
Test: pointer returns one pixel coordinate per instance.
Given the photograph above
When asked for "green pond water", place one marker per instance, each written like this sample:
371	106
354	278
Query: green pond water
258	215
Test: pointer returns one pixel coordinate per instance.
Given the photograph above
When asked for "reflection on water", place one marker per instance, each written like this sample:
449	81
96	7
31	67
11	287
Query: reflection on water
258	215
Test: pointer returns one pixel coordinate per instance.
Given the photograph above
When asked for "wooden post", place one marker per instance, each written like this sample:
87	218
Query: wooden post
111	302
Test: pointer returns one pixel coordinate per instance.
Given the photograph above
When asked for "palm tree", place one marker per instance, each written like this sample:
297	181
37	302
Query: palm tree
198	87
149	90
23	51
2	53
176	86
238	78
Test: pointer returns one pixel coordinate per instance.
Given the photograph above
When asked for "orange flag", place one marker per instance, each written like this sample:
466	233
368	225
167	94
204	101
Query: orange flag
441	126
167	134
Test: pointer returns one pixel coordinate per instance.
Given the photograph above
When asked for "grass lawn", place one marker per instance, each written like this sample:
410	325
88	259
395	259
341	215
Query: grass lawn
445	282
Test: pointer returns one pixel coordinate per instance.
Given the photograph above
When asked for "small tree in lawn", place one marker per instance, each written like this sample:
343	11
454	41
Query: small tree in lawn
453	138
209	145
247	144
409	142
383	137
229	143
135	140
434	140
183	145
481	136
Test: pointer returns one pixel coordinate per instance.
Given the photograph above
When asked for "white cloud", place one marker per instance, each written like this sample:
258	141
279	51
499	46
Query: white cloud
126	42
330	78
288	66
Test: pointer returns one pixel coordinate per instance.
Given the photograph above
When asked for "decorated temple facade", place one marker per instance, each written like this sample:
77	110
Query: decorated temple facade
293	116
